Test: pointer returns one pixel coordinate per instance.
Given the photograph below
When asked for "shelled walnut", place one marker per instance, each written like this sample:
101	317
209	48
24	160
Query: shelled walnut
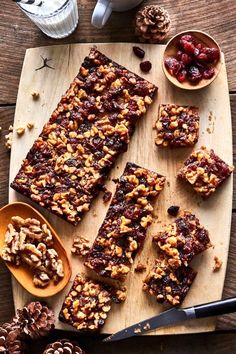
81	246
29	242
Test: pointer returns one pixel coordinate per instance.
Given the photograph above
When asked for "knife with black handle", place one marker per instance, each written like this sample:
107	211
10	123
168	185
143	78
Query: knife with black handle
176	315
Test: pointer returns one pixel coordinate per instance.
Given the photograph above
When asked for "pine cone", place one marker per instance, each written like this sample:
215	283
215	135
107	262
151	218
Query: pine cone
10	342
34	320
63	346
152	24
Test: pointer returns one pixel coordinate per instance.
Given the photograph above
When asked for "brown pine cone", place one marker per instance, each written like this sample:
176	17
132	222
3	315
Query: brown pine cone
10	342
152	24
34	320
63	346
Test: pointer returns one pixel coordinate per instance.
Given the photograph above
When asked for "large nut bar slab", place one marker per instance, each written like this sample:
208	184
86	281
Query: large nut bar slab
177	126
90	127
167	284
205	171
88	303
182	240
124	229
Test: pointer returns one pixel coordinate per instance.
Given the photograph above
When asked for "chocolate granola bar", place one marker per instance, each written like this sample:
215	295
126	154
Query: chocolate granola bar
205	171
88	303
90	127
177	126
182	240
124	229
167	284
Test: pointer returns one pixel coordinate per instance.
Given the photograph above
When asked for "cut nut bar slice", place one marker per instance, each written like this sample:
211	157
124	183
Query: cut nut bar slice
182	240
205	171
124	229
177	126
88	303
90	127
169	285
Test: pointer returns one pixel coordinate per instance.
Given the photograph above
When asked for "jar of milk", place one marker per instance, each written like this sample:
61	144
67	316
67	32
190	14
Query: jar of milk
56	18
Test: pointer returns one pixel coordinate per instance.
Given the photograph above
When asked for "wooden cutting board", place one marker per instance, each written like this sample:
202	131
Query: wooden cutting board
214	213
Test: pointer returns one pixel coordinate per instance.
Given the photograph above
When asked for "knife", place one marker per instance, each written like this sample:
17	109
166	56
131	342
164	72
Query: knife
176	315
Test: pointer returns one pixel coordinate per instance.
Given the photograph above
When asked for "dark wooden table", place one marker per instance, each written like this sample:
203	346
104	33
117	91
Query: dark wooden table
17	34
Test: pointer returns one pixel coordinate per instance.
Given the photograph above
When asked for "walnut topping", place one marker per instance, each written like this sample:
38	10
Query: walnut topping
177	125
90	127
182	240
205	171
8	140
167	284
28	242
217	265
124	228
88	303
81	246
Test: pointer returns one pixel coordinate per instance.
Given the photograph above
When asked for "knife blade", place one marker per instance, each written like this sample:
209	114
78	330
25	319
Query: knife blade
174	316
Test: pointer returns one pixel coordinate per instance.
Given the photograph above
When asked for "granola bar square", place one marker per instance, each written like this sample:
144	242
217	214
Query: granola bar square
182	240
167	284
177	126
205	171
88	303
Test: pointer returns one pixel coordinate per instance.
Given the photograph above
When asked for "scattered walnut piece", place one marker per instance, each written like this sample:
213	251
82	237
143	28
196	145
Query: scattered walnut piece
140	268
28	242
35	95
81	246
30	125
20	131
8	140
218	264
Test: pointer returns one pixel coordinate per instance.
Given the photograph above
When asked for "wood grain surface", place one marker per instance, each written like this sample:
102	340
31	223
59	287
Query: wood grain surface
16	34
214	213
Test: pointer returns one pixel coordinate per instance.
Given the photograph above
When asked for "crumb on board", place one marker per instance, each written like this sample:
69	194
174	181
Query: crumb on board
20	131
107	196
94	213
10	128
218	264
147	326
35	95
137	330
8	140
140	268
30	125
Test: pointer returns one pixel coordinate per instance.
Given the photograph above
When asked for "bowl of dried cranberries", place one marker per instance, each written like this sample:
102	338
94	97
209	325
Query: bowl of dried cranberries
192	60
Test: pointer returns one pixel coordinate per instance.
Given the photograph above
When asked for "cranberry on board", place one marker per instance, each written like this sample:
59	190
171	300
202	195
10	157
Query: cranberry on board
146	66
139	52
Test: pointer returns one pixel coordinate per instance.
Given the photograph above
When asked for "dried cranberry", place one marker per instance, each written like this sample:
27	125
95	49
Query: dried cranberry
188	47
146	66
173	65
208	73
173	210
202	56
181	77
194	74
179	54
186	59
196	52
212	54
139	52
188	38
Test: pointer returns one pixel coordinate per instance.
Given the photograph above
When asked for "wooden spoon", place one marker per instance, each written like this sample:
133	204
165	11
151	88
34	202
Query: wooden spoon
22	273
172	48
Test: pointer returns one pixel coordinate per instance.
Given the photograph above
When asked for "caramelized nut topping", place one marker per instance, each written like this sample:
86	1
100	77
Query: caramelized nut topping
87	305
90	127
177	126
182	240
124	229
169	285
205	171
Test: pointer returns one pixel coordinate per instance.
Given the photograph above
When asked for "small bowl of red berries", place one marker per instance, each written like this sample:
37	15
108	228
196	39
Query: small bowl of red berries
192	60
